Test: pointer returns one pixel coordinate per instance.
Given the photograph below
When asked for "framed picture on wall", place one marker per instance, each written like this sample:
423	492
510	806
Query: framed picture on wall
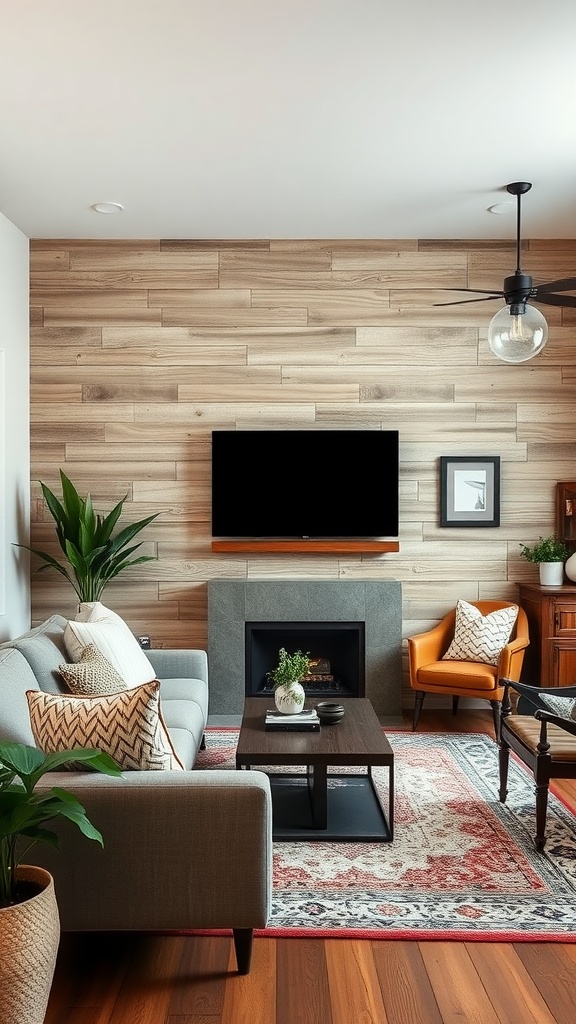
470	490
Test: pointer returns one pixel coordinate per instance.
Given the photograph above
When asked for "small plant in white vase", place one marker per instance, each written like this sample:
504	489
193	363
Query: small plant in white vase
550	553
289	694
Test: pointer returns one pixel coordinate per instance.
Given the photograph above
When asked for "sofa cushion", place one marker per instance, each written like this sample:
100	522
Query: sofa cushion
480	637
16	677
128	726
98	625
92	675
44	650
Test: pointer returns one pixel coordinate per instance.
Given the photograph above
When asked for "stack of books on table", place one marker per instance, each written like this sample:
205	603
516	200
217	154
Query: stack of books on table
304	721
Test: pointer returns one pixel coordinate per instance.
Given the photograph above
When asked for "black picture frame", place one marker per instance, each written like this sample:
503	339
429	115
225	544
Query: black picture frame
470	500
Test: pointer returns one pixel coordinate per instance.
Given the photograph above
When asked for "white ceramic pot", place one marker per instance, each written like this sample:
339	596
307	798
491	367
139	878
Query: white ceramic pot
289	698
29	937
570	567
551	574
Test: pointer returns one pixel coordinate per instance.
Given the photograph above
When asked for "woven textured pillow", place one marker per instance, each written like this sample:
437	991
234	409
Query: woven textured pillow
128	726
480	637
98	625
92	675
565	707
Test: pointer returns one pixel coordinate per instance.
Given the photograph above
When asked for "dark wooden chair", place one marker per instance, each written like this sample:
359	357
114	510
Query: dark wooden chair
545	742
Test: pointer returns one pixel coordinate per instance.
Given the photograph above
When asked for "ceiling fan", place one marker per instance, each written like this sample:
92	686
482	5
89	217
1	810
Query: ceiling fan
519	331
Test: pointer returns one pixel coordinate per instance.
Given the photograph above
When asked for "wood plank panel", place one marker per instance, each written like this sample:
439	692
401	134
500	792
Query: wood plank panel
140	351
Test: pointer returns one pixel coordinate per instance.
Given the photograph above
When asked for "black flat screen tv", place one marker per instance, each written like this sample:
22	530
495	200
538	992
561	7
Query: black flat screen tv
305	483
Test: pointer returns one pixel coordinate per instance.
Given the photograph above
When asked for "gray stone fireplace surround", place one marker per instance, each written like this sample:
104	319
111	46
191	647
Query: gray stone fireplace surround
232	603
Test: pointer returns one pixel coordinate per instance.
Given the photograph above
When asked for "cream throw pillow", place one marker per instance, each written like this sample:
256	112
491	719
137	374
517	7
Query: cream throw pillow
98	625
92	675
128	726
480	637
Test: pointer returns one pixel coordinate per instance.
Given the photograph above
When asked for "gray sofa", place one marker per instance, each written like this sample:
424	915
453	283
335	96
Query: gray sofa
182	849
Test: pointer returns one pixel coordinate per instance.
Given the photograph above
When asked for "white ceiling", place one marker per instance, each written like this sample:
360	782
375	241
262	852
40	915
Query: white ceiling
287	118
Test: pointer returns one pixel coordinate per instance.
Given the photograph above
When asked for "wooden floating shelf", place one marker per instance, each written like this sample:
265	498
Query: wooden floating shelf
328	547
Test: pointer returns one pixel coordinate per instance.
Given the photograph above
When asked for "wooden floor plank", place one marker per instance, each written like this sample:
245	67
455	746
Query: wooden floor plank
404	983
145	995
303	992
553	971
198	988
514	995
251	998
353	981
459	992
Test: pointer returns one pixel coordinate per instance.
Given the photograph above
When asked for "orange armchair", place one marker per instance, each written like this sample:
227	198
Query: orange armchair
429	674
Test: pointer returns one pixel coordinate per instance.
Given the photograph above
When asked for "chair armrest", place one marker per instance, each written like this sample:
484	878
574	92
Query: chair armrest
178	664
563	723
511	658
183	850
424	648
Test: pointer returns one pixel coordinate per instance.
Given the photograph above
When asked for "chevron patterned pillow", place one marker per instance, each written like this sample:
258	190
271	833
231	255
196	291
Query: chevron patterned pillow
128	726
480	637
93	675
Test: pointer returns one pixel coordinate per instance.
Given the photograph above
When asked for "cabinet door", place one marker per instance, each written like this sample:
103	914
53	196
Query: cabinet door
565	619
564	662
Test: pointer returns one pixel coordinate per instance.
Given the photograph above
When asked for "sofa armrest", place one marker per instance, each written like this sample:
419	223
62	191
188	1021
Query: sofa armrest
182	850
179	664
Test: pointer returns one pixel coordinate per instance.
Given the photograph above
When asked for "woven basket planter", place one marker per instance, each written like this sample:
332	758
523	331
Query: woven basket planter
29	937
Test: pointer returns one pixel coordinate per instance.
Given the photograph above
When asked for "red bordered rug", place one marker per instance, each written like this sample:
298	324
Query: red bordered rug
462	865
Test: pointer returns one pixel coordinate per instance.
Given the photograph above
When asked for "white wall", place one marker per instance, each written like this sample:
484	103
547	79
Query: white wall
14	430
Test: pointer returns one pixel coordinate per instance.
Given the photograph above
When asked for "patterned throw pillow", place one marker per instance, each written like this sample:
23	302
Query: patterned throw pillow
93	675
564	707
128	726
98	625
480	637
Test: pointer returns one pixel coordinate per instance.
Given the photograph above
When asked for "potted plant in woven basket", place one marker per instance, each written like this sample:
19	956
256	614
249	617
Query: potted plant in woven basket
29	921
289	694
550	553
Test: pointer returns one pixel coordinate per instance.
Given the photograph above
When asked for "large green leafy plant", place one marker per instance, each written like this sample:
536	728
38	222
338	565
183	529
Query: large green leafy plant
24	812
94	553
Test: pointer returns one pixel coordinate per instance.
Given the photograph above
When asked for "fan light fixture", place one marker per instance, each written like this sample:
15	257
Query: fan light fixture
519	331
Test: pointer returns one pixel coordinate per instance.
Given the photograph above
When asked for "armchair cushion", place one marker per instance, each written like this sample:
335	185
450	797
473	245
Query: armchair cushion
564	707
480	638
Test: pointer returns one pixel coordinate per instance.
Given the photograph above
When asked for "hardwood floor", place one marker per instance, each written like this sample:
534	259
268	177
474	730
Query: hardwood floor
133	979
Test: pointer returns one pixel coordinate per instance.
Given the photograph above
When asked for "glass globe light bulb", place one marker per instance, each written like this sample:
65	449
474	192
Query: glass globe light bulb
517	333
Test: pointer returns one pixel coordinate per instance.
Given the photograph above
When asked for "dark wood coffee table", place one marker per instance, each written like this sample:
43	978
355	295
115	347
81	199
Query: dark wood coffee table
318	804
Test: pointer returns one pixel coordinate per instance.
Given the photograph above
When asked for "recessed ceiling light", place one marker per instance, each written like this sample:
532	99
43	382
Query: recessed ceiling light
506	207
108	207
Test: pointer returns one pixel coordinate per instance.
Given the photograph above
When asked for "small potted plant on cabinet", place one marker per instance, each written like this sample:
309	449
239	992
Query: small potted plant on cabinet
289	694
550	553
29	920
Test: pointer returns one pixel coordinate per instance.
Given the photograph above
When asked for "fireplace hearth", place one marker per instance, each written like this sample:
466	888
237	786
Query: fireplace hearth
301	611
337	650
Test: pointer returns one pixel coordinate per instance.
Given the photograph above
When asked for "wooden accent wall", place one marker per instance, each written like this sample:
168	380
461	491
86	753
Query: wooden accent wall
139	349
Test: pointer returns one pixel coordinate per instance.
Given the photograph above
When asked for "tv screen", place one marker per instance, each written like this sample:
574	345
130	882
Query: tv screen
305	483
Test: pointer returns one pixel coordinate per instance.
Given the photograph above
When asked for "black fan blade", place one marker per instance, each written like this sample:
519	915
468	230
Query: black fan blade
462	302
477	291
557	300
566	285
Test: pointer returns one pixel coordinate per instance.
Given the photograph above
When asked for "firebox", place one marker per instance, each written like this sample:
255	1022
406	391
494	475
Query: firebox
337	653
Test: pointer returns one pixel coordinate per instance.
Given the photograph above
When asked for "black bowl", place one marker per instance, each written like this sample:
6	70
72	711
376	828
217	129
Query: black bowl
329	712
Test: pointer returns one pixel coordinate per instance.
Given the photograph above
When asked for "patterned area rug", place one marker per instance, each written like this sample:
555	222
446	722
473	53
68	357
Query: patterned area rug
461	866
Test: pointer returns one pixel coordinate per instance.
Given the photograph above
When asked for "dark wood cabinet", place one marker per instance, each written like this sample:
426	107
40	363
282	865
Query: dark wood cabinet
550	660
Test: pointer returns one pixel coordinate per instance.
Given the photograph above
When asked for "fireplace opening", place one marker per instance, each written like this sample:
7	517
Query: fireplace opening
337	650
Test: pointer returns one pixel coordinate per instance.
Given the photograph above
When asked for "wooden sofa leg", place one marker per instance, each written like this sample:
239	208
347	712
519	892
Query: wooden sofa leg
203	742
417	707
243	939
